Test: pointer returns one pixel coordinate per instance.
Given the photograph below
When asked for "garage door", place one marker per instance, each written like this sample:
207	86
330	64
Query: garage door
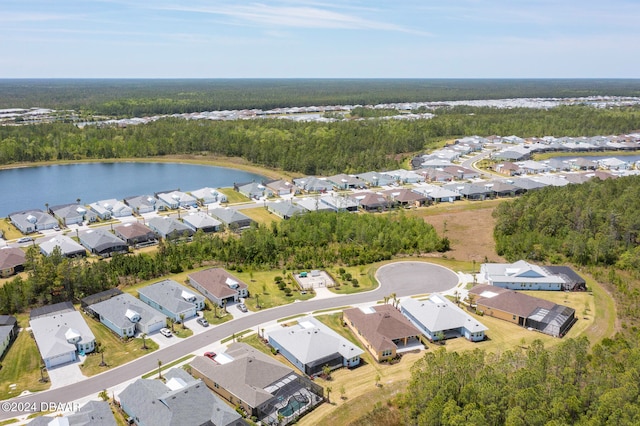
60	359
156	326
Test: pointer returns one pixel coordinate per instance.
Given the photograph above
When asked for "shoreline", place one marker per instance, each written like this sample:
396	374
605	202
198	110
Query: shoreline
208	160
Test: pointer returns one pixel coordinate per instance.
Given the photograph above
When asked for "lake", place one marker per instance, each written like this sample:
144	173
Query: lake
31	187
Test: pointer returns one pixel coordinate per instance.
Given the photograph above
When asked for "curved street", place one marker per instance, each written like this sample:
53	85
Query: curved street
431	276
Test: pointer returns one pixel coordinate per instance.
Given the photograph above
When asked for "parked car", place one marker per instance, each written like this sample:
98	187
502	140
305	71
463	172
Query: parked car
166	332
210	355
25	239
242	307
203	322
56	228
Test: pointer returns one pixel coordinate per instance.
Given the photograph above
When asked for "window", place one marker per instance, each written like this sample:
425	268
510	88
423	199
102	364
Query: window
387	352
514	317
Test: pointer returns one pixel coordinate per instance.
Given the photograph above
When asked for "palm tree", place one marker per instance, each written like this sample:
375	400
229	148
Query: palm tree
159	369
377	380
328	389
144	342
257	301
182	321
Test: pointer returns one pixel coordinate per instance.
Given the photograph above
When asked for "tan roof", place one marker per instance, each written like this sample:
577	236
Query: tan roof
509	301
381	325
133	229
250	376
10	257
215	281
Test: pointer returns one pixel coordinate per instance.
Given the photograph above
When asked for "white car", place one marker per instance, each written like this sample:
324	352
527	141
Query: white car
242	307
166	332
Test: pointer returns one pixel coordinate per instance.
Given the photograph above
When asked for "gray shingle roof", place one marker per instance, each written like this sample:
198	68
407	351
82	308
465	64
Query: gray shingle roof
171	295
115	309
49	332
68	246
438	313
155	403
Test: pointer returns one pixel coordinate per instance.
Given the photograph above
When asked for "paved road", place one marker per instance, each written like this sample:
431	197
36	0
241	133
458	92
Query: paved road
432	275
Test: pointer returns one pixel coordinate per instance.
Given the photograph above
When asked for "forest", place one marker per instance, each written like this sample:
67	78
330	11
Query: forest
135	98
310	241
347	146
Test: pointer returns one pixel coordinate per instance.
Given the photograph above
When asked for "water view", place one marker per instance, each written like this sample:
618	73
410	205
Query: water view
32	187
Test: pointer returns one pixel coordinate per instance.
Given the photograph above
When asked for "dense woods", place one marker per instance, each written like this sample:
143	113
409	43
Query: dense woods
122	97
349	146
314	240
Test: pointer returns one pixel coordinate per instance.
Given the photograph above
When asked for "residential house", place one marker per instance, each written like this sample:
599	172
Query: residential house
523	310
461	173
382	329
522	275
312	204
232	218
405	176
313	184
135	234
12	260
176	199
67	246
126	316
311	345
584	164
371	201
61	335
437	194
507	168
218	285
439	318
8	332
343	181
172	299
102	242
94	413
209	196
435	163
435	175
107	209
526	184
202	221
281	187
30	221
85	302
375	179
469	191
284	209
142	203
613	164
405	197
253	190
180	401
261	386
69	214
533	167
170	228
340	203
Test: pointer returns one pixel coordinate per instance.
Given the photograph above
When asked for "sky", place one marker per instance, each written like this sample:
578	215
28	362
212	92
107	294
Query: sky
319	39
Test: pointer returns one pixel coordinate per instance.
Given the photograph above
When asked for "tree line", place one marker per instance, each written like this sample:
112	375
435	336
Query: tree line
347	146
139	97
310	241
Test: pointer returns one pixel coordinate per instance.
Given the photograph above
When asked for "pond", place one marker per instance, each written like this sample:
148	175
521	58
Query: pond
31	187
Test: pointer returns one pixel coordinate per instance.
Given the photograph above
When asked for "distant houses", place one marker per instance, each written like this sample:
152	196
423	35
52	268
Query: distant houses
30	221
311	345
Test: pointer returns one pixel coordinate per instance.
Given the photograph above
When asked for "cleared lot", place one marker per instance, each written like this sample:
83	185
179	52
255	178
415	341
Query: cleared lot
429	278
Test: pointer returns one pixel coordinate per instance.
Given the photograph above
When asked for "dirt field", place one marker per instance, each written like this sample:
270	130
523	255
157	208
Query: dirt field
469	227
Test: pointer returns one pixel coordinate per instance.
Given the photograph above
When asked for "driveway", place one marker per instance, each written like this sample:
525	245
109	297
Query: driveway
66	374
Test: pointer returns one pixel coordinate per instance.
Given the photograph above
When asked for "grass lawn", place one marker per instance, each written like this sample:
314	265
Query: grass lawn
263	284
116	350
21	366
180	332
364	274
261	215
10	232
233	197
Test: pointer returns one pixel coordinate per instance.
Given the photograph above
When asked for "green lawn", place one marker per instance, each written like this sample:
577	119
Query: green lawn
364	274
269	295
233	197
21	366
116	351
261	215
10	232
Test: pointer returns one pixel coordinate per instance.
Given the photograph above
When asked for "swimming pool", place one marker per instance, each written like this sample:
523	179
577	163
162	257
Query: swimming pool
294	404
